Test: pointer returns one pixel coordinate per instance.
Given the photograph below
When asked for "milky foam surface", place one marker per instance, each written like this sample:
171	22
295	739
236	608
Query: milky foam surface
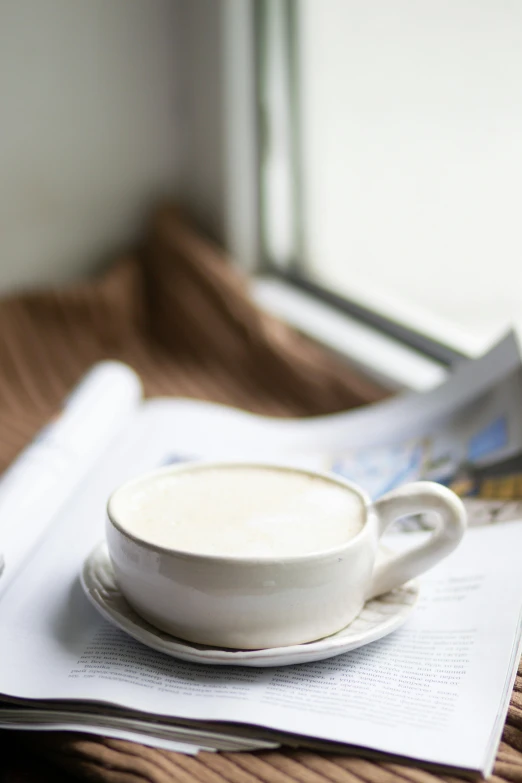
241	512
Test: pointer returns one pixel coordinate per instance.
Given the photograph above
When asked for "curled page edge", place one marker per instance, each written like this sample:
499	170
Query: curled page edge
59	457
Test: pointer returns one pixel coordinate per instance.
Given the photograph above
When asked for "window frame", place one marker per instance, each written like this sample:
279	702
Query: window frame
396	354
277	107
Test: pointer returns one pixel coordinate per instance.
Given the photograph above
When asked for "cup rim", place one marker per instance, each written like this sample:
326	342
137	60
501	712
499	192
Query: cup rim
241	559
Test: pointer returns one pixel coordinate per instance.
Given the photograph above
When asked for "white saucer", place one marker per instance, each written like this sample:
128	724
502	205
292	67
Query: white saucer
378	618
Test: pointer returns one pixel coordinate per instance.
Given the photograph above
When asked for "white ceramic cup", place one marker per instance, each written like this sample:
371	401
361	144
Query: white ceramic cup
261	602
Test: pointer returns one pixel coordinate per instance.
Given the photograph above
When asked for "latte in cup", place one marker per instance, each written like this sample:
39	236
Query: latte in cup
242	511
249	556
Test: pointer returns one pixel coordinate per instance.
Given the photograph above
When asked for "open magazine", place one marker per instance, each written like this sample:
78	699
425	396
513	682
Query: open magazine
436	690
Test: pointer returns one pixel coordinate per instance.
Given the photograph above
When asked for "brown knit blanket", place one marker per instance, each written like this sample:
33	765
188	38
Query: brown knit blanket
178	313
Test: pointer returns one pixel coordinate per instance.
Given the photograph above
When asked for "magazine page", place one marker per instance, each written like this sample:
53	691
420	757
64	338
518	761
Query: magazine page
420	683
51	467
145	729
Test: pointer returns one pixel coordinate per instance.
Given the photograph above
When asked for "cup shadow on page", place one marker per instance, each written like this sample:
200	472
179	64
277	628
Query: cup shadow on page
75	620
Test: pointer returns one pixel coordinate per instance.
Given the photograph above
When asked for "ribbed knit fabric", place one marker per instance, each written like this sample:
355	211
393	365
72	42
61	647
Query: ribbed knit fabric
178	313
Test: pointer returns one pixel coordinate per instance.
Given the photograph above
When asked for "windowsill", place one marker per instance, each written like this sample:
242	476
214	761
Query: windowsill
383	358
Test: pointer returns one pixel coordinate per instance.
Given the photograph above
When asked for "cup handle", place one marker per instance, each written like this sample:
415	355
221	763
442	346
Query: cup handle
420	496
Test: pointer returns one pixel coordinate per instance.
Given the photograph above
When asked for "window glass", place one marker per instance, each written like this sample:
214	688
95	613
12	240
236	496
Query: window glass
408	148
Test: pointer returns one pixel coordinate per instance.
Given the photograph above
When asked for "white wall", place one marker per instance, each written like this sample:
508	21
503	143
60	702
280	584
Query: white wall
91	129
203	90
219	181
